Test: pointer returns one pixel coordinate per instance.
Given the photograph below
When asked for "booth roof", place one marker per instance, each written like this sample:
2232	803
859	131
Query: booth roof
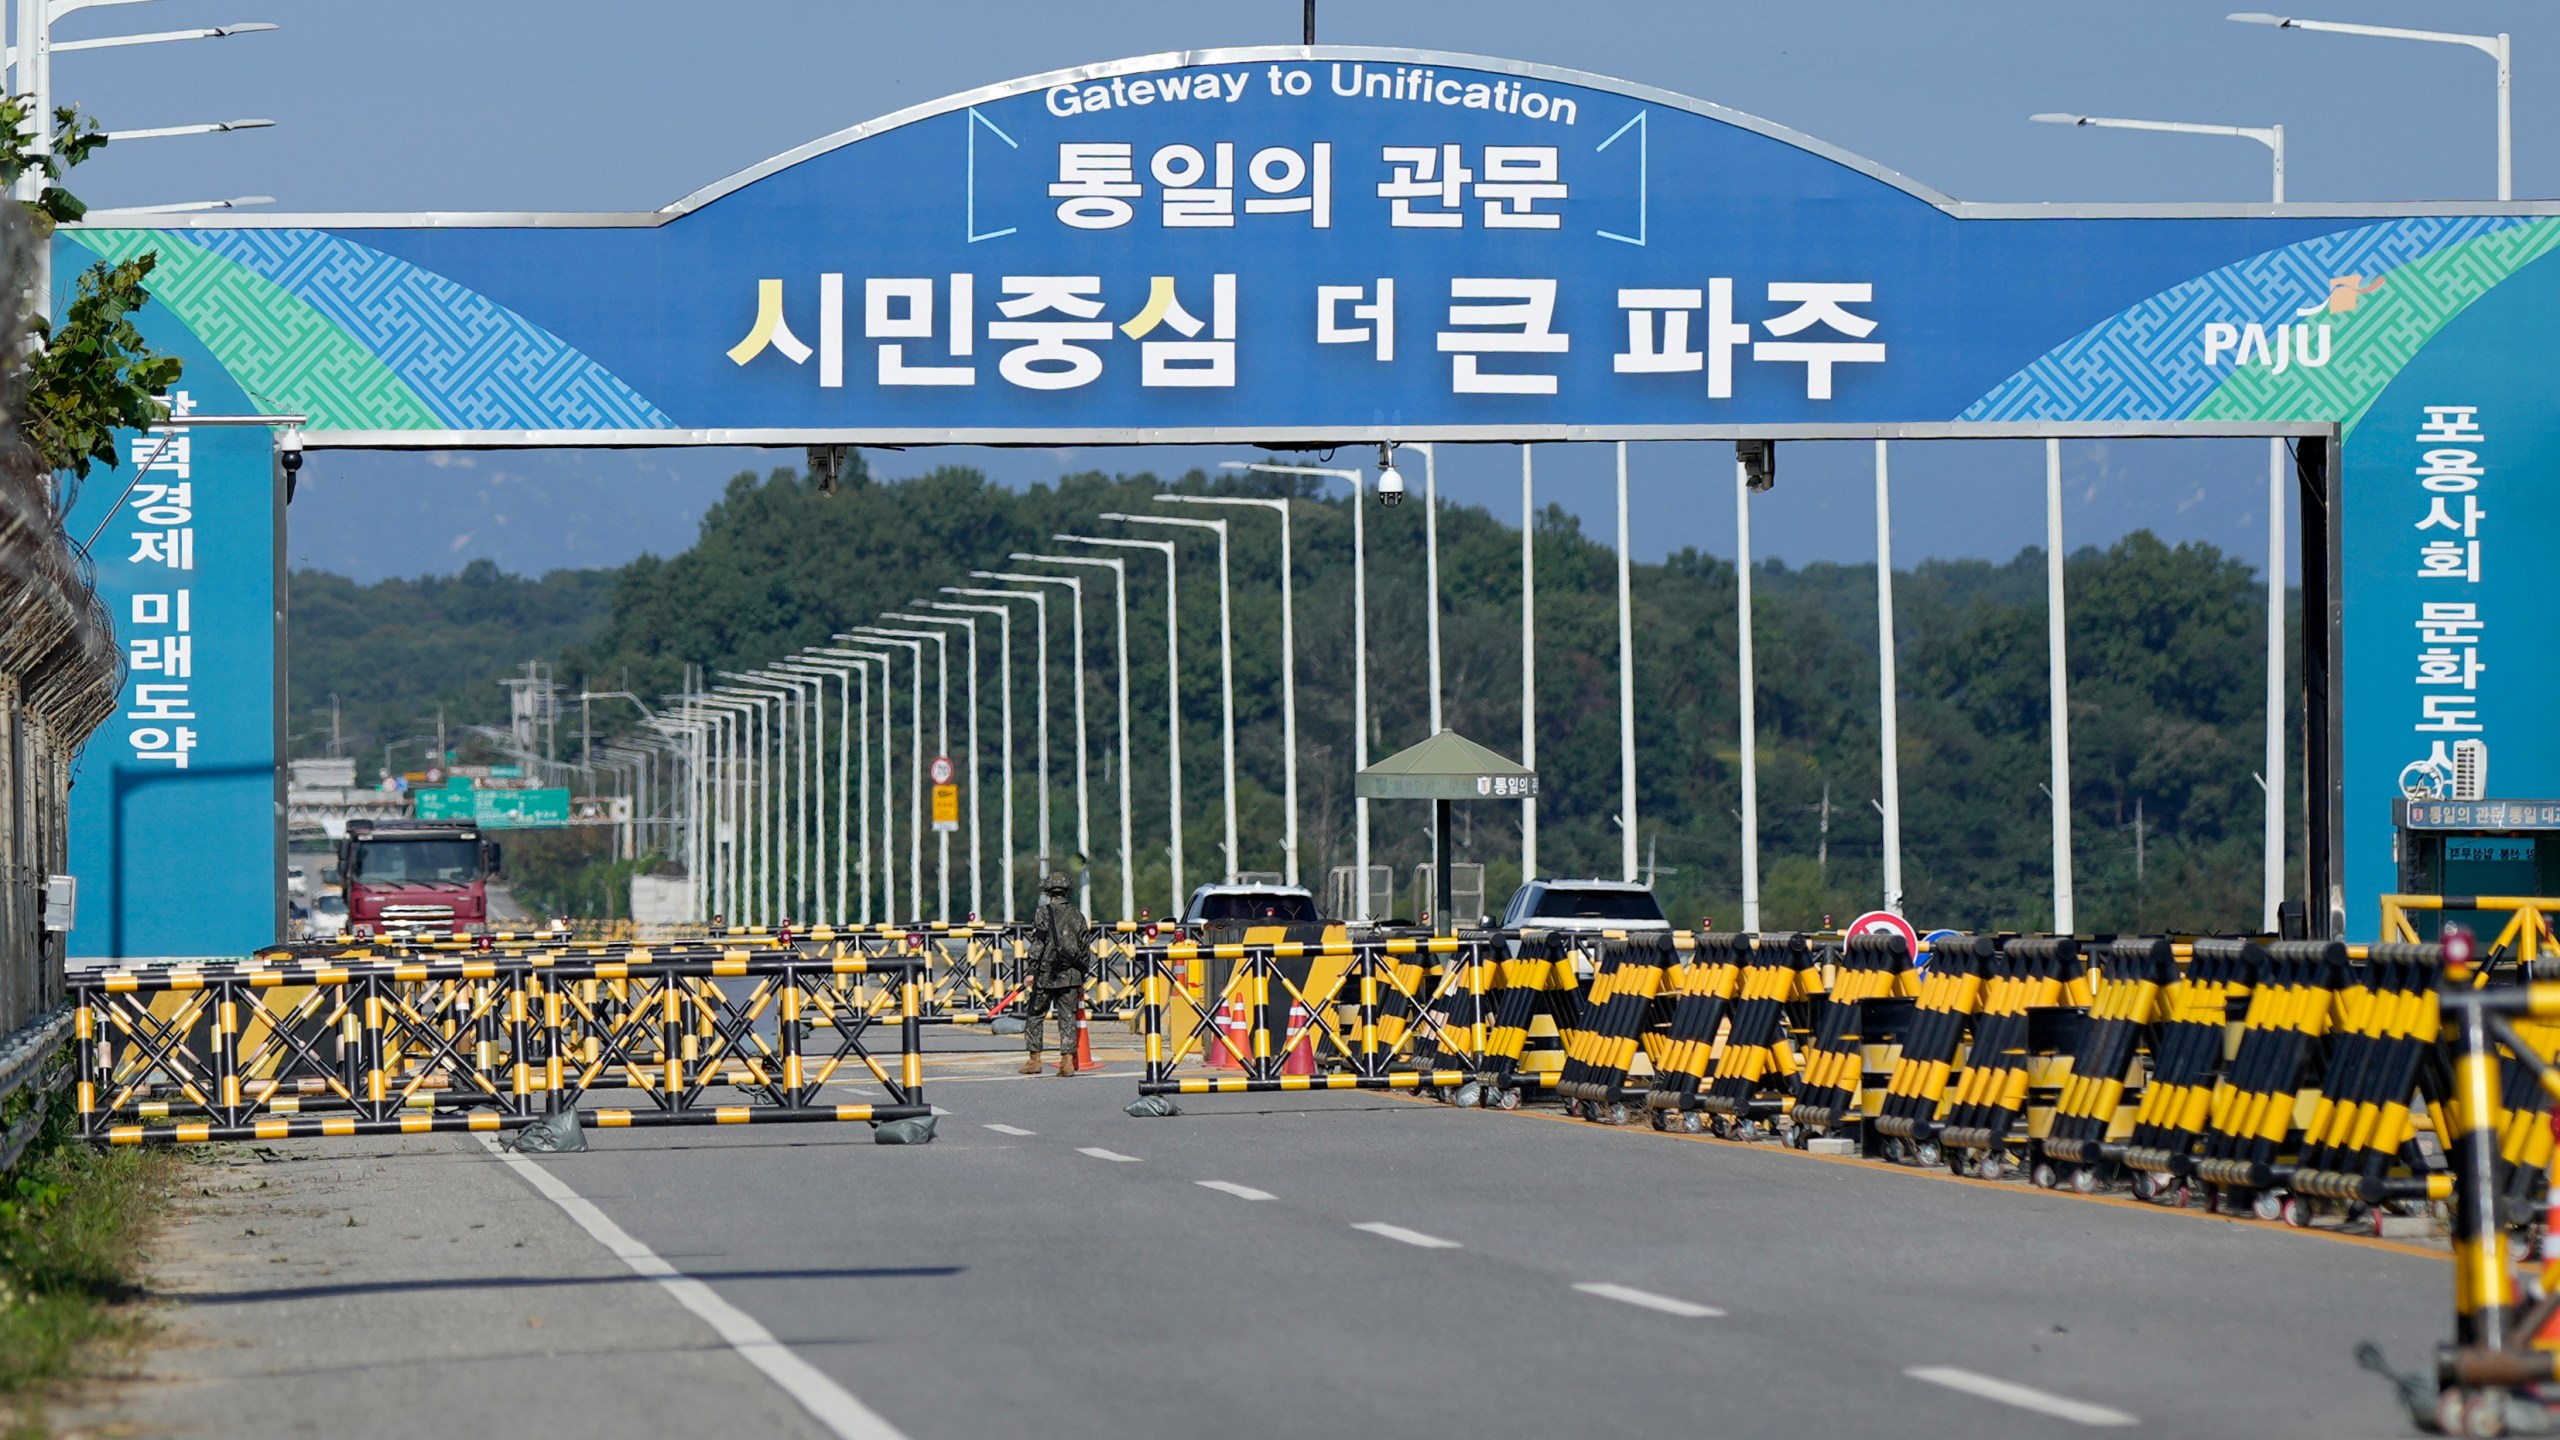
1448	766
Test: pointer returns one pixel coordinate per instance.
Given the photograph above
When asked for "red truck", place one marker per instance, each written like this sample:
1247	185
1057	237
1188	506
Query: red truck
416	877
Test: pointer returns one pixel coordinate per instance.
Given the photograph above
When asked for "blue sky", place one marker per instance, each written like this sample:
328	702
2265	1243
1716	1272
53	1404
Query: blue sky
627	104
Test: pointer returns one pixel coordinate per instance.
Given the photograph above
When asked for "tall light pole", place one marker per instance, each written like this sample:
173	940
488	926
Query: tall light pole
1004	719
1172	695
1359	662
1288	666
1120	577
1226	658
30	61
977	894
1528	659
914	646
723	715
851	815
1431	570
1120	582
2058	676
2495	47
888	786
787	806
1627	682
758	804
2271	136
1747	683
1888	692
941	743
1040	731
2271	887
808	842
1084	809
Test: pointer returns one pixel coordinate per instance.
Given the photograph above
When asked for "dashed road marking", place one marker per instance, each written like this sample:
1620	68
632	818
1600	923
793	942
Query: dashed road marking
1408	1237
1098	1153
1628	1295
1241	1192
2060	1407
1011	1130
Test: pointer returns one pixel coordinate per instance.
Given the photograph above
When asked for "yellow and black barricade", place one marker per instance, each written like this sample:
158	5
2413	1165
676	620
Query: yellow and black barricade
1625	1005
1848	1061
1755	1069
1402	1013
2187	1059
2029	982
2104	1088
321	1047
1932	1047
1704	987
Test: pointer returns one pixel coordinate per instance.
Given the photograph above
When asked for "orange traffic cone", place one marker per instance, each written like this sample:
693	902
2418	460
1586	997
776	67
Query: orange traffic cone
1227	1037
1084	1042
1301	1059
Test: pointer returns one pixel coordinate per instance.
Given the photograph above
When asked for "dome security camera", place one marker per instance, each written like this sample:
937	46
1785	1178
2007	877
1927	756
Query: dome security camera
1390	483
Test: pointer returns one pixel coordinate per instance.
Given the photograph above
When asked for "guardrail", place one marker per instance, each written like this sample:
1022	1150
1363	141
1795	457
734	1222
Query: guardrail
702	1035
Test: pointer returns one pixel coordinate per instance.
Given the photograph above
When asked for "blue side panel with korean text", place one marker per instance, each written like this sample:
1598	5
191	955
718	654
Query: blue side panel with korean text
175	832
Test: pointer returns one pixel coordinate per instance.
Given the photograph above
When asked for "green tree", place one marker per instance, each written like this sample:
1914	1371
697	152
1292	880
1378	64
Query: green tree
93	374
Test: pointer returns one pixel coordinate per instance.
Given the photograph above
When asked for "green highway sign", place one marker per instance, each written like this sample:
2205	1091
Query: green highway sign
497	809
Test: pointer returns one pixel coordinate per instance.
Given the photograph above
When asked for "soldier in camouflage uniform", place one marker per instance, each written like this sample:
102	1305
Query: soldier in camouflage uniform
1061	956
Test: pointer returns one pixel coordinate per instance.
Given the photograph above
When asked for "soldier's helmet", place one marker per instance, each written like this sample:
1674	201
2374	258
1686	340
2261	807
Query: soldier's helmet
1056	884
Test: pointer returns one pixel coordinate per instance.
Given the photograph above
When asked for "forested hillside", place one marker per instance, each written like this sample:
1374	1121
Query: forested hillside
2165	653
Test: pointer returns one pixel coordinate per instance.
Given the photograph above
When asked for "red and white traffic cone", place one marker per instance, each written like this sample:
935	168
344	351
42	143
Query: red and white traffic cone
1301	1059
1084	1042
1226	1045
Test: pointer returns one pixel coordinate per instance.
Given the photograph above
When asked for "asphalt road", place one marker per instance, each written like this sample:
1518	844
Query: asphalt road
1349	1264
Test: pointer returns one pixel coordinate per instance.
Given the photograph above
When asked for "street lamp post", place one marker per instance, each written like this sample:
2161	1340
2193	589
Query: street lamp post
888	758
2271	886
754	807
1040	730
1288	667
914	646
1004	716
809	807
850	814
1084	809
1172	696
1359	663
1627	686
941	743
1431	569
1120	576
2496	47
1226	657
1528	659
783	807
977	893
2271	136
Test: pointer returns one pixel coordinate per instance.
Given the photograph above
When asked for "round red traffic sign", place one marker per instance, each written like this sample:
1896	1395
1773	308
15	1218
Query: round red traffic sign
1885	922
942	771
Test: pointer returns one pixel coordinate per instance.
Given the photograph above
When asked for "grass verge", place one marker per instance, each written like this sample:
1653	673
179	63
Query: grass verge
73	1219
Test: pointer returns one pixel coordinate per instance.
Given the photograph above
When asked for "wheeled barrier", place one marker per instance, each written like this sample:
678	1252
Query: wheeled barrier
1393	1014
703	1034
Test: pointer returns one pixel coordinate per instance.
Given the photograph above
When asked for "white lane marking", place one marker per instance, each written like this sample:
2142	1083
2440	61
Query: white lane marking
1409	1237
2078	1412
1098	1153
1646	1298
1241	1192
1011	1130
834	1406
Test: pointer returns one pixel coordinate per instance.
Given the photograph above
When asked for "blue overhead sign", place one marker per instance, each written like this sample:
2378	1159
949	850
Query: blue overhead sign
1339	244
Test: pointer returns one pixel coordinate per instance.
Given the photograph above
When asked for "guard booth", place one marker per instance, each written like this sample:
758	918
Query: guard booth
2475	860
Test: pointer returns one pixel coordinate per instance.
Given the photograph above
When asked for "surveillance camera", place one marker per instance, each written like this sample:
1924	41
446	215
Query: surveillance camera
1390	488
289	451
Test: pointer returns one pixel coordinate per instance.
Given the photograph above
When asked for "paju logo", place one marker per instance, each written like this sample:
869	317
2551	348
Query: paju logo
2282	346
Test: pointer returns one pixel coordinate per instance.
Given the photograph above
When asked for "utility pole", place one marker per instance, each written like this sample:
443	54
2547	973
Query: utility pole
334	743
1822	848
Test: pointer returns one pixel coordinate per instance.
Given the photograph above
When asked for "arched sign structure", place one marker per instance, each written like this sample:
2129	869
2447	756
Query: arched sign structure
1340	244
